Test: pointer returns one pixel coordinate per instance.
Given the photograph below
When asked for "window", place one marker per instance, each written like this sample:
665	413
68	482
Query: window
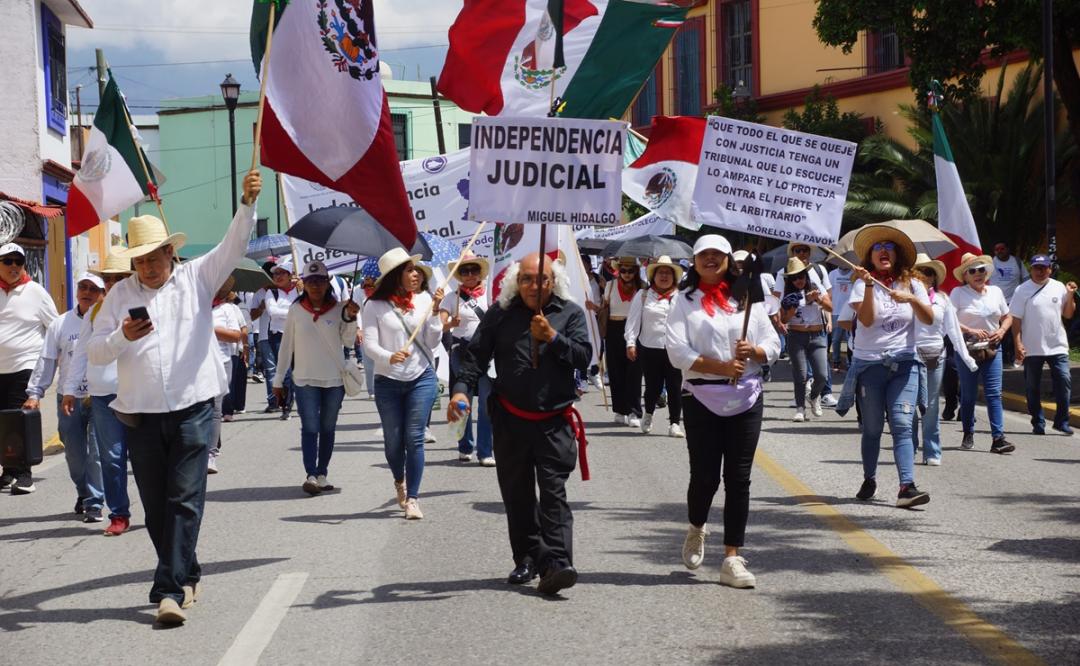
400	122
464	135
883	52
690	67
55	58
647	103
737	64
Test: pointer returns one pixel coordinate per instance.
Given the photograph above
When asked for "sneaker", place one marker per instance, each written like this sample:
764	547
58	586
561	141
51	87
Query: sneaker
1064	428
311	486
661	400
211	465
257	378
733	573
399	490
285	415
633	421
933	462
675	430
800	416
240	411
429	437
910	496
1039	430
488	461
693	548
323	483
466	457
227	418
79	505
1017	365
1001	445
620	419
948	415
646	424
412	509
7	480
117	526
24	484
815	406
595	380
379	434
191	594
93	515
968	443
269	409
828	400
867	491
169	612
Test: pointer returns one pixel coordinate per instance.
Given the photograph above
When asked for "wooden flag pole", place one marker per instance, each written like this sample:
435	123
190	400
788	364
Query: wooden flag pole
262	89
288	223
540	291
843	259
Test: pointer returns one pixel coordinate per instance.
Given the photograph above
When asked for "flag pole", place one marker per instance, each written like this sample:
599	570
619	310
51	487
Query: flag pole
262	89
150	184
843	259
288	223
590	321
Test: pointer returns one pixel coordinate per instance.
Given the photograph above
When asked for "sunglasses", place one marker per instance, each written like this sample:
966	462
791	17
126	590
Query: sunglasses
928	272
16	261
469	270
802	249
628	271
888	245
976	271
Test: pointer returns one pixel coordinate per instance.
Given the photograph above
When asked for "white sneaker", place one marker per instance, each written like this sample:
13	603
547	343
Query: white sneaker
828	400
933	462
693	548
675	430
596	381
633	422
412	509
211	465
800	416
429	437
646	424
733	573
379	434
323	483
311	486
815	406
466	457
620	419
488	462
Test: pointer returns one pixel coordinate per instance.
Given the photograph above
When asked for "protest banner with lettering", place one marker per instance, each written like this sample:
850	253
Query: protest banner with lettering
773	182
649	224
547	170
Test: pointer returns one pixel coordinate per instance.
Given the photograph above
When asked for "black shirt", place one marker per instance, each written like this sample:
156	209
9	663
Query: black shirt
504	335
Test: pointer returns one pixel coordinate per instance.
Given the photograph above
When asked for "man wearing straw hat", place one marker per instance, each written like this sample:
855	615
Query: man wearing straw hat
159	329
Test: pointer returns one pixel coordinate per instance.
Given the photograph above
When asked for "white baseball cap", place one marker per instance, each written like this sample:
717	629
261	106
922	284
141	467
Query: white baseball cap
712	242
93	279
12	248
316	268
740	255
283	266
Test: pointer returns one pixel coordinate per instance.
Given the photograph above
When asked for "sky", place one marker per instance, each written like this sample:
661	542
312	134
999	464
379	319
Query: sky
138	36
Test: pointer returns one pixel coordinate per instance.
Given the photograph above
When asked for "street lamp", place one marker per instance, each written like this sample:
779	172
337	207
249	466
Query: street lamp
230	92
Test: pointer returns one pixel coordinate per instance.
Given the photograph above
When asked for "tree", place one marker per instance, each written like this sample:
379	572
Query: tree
739	109
821	115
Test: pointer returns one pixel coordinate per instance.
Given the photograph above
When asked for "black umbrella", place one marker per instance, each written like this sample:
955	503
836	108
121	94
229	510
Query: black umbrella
648	246
350	229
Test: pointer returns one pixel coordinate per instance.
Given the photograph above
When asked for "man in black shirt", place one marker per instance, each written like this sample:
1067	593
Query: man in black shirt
532	414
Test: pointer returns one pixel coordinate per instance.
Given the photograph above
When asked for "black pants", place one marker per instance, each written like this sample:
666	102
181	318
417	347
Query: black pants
721	448
12	396
659	373
624	374
950	382
531	455
236	398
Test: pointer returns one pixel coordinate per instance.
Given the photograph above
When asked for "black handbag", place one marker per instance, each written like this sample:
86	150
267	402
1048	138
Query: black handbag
20	438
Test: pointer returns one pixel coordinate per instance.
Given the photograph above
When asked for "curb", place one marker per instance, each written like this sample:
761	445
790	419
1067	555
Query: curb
53	446
1015	402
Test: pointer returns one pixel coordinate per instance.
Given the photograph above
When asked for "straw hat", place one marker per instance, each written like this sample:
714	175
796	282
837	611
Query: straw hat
876	233
664	262
627	261
426	270
391	259
922	260
147	233
794	267
971	261
791	247
471	258
114	263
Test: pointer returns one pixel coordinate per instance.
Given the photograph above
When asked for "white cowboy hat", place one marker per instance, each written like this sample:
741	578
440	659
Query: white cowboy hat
147	233
794	267
664	262
114	263
391	259
922	260
471	258
971	261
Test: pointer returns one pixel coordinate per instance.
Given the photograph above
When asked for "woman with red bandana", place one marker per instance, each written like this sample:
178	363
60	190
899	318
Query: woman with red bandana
722	398
316	329
624	372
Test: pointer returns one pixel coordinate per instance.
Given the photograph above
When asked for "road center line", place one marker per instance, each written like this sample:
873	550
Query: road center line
987	638
260	627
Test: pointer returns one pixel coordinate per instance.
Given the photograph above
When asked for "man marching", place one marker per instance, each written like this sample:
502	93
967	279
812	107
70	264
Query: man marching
536	436
159	328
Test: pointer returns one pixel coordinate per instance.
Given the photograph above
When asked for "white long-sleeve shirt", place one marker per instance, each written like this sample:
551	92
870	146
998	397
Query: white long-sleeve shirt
176	365
647	321
932	336
384	336
57	351
25	312
692	333
313	348
101	380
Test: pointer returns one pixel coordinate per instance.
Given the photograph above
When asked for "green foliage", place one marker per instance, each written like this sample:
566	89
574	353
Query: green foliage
729	107
821	115
632	209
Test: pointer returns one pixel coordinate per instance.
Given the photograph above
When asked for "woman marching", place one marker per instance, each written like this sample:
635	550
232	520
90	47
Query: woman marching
802	310
985	320
316	329
722	394
623	371
885	369
645	335
405	382
930	343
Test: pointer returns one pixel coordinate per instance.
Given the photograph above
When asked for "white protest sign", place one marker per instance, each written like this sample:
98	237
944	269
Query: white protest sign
547	170
649	224
772	182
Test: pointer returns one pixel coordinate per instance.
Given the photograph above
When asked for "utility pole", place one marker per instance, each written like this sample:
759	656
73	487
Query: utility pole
102	69
1048	126
438	117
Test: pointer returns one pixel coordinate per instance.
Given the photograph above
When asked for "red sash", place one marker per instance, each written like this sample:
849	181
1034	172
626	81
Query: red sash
572	416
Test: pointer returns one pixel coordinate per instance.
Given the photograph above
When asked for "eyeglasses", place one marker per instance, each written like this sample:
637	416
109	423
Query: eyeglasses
529	280
887	245
801	249
628	271
469	270
16	261
978	270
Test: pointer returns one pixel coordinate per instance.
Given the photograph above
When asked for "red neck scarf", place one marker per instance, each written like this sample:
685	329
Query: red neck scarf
327	305
217	302
884	278
403	303
474	293
664	296
9	287
716	296
623	294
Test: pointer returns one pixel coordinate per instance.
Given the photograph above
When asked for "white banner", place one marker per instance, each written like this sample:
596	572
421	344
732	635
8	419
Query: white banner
773	182
649	224
547	170
302	197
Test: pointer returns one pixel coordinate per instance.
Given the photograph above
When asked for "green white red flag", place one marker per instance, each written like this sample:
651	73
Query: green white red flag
954	214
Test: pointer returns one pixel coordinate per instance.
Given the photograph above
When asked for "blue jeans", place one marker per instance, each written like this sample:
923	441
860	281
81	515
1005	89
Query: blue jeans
269	366
81	453
318	408
369	371
270	363
168	457
807	352
839	335
404	408
483	423
1062	380
895	389
989	373
931	420
112	448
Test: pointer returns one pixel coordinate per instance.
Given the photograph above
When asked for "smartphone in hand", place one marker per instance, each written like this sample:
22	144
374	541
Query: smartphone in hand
139	313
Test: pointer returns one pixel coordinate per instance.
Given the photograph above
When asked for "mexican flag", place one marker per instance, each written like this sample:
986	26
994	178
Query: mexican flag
502	57
111	178
954	214
663	178
326	116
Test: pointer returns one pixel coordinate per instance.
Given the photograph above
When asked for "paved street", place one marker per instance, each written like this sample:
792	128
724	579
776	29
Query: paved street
989	571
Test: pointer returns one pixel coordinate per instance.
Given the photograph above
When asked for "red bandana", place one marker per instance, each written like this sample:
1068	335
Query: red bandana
318	312
884	278
625	295
664	296
472	293
9	287
403	303
715	296
217	302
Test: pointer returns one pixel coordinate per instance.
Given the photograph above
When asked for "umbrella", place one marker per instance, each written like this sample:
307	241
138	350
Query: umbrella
370	269
845	247
440	251
250	276
268	246
776	258
349	229
927	238
648	247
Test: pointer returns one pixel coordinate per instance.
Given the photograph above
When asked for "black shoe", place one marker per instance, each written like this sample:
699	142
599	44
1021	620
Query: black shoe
270	409
522	574
910	496
867	490
7	480
1064	428
1038	430
557	579
79	505
93	516
661	401
1000	445
24	484
948	415
968	443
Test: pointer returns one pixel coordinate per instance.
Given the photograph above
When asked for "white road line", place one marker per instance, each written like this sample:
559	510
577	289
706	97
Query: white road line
260	627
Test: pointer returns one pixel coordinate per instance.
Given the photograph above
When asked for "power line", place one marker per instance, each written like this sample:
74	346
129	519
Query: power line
210	30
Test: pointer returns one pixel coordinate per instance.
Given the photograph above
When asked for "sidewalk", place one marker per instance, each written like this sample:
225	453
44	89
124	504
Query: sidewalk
1012	392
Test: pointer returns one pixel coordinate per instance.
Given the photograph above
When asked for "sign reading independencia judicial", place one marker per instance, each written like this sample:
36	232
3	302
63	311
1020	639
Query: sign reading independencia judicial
547	170
773	182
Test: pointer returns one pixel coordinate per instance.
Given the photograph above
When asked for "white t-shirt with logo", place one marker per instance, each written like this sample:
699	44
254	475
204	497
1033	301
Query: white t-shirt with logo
840	279
1008	275
1040	313
893	329
980	311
